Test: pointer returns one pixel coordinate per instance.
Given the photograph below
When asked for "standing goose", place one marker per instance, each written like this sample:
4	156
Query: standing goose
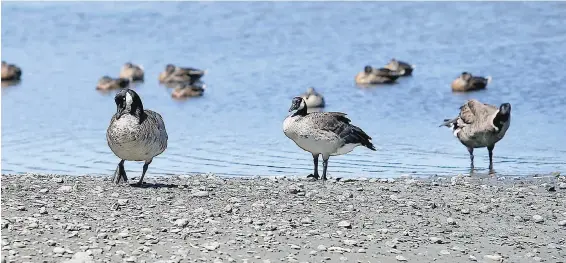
10	71
135	134
326	133
376	76
467	82
313	98
480	125
404	68
131	71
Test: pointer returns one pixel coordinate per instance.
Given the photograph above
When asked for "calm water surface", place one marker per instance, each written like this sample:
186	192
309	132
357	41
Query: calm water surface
260	55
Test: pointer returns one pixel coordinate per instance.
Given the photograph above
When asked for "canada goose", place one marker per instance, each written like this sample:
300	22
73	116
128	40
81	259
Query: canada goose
313	98
185	90
108	83
376	76
404	68
480	125
10	71
135	134
173	73
326	133
467	82
131	71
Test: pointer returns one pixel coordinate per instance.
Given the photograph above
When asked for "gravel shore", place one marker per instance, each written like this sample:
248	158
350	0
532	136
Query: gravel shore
206	218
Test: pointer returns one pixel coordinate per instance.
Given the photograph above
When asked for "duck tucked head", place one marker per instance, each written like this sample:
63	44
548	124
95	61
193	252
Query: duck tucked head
170	68
128	101
502	116
128	65
466	76
299	106
368	69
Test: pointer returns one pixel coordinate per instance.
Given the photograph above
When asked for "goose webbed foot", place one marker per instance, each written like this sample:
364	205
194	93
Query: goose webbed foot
315	176
120	173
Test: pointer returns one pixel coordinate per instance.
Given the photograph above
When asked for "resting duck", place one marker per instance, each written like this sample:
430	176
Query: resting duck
10	71
132	71
376	76
187	90
467	82
313	98
173	73
404	68
108	83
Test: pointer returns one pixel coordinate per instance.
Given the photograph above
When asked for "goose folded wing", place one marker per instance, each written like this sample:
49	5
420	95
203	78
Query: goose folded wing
473	111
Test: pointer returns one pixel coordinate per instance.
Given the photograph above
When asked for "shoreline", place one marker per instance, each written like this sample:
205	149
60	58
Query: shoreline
208	218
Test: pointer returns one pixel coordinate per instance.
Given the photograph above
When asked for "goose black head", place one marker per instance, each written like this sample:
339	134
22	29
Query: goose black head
170	68
298	105
502	115
128	102
368	69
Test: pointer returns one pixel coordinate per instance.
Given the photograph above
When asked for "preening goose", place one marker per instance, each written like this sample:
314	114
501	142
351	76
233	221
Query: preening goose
480	125
132	71
467	82
135	134
313	98
323	133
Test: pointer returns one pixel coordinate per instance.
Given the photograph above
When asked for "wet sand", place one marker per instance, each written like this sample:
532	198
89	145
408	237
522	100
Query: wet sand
205	218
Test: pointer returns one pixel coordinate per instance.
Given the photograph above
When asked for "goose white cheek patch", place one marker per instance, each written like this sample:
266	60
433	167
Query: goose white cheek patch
129	99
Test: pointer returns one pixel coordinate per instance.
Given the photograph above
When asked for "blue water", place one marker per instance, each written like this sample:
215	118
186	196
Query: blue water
261	54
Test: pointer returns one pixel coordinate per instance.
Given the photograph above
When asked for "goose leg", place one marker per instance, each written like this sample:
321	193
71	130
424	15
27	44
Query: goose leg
490	150
315	160
471	151
120	173
145	166
324	166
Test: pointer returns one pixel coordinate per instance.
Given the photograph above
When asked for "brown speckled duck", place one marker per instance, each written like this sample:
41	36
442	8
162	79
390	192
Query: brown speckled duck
371	75
10	71
467	82
187	90
108	83
132	71
403	68
173	73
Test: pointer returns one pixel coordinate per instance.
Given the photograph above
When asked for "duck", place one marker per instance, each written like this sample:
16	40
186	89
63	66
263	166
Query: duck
313	98
135	134
10	71
376	76
108	83
173	73
467	82
480	125
186	90
132	71
322	133
404	68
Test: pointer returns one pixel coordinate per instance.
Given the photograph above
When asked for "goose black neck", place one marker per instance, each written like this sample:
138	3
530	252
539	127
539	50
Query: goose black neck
301	112
500	119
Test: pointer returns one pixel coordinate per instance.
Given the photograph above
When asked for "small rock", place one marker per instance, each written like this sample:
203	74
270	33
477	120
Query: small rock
450	221
306	220
436	240
444	252
211	246
361	250
130	259
102	235
42	210
43	191
122	202
465	211
228	209
537	259
349	242
345	224
80	257
562	186
321	247
472	258
493	257
65	189
58	250
50	243
181	222
400	258
293	246
200	194
58	180
562	223
538	219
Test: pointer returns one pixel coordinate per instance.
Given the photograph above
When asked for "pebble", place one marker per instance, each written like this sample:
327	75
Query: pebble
400	258
450	221
562	223
345	224
228	209
349	242
321	247
42	210
436	240
211	246
130	259
472	258
293	246
122	202
43	191
200	194
182	222
50	243
80	257
58	250
493	257
58	180
562	186
444	252
465	211
538	219
306	220
65	189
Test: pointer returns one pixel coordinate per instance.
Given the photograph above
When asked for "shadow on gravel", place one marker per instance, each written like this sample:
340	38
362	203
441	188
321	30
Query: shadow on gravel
158	185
